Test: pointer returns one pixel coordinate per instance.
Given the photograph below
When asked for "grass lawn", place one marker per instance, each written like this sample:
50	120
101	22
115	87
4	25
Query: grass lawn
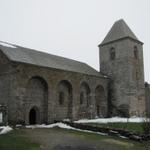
114	143
16	140
62	139
128	126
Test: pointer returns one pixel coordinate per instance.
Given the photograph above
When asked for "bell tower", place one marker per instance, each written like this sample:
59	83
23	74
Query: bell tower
121	58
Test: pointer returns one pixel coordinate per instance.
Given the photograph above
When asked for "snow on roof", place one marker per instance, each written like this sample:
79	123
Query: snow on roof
7	44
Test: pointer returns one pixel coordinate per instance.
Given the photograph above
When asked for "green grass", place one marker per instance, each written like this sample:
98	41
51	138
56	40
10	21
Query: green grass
109	146
16	141
137	127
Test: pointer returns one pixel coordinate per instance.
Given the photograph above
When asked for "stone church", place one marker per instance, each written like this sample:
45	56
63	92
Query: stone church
36	87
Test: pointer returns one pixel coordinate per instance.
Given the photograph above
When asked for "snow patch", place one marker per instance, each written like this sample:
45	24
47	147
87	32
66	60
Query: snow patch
112	120
7	45
62	125
123	137
67	120
5	129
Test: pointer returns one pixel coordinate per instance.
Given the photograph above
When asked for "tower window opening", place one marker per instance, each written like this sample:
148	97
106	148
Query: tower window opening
112	53
135	52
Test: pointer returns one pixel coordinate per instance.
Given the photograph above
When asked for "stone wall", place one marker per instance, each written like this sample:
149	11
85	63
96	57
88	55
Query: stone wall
127	75
147	98
71	85
6	74
4	79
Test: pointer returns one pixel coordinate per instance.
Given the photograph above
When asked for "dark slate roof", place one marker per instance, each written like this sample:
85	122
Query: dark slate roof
29	56
118	31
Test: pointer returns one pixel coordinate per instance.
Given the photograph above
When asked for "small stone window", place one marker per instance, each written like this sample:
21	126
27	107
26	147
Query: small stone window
81	98
112	53
135	52
61	98
137	74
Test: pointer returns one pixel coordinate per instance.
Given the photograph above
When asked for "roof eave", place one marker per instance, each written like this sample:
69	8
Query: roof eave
105	43
88	74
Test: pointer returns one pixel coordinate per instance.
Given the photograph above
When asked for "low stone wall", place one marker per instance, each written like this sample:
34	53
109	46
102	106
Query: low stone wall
112	132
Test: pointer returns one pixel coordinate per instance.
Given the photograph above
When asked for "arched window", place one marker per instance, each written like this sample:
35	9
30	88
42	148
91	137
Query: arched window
85	94
64	100
61	98
112	53
136	52
81	98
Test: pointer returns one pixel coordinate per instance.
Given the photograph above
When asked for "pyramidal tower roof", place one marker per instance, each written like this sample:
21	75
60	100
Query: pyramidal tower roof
118	31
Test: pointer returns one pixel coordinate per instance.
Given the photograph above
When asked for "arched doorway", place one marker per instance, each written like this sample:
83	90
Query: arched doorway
34	116
37	95
100	101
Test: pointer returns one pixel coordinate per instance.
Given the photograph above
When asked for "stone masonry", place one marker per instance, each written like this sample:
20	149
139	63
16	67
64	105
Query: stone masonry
37	87
121	58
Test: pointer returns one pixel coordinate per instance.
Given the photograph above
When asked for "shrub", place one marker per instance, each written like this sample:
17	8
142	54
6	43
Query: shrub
146	124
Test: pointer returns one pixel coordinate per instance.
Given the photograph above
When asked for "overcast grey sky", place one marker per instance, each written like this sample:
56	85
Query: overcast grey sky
72	28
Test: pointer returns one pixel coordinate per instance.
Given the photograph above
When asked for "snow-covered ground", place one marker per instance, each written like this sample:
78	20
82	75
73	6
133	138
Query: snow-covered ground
61	125
112	120
5	129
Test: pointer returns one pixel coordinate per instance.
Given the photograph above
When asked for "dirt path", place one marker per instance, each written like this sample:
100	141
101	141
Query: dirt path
53	139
